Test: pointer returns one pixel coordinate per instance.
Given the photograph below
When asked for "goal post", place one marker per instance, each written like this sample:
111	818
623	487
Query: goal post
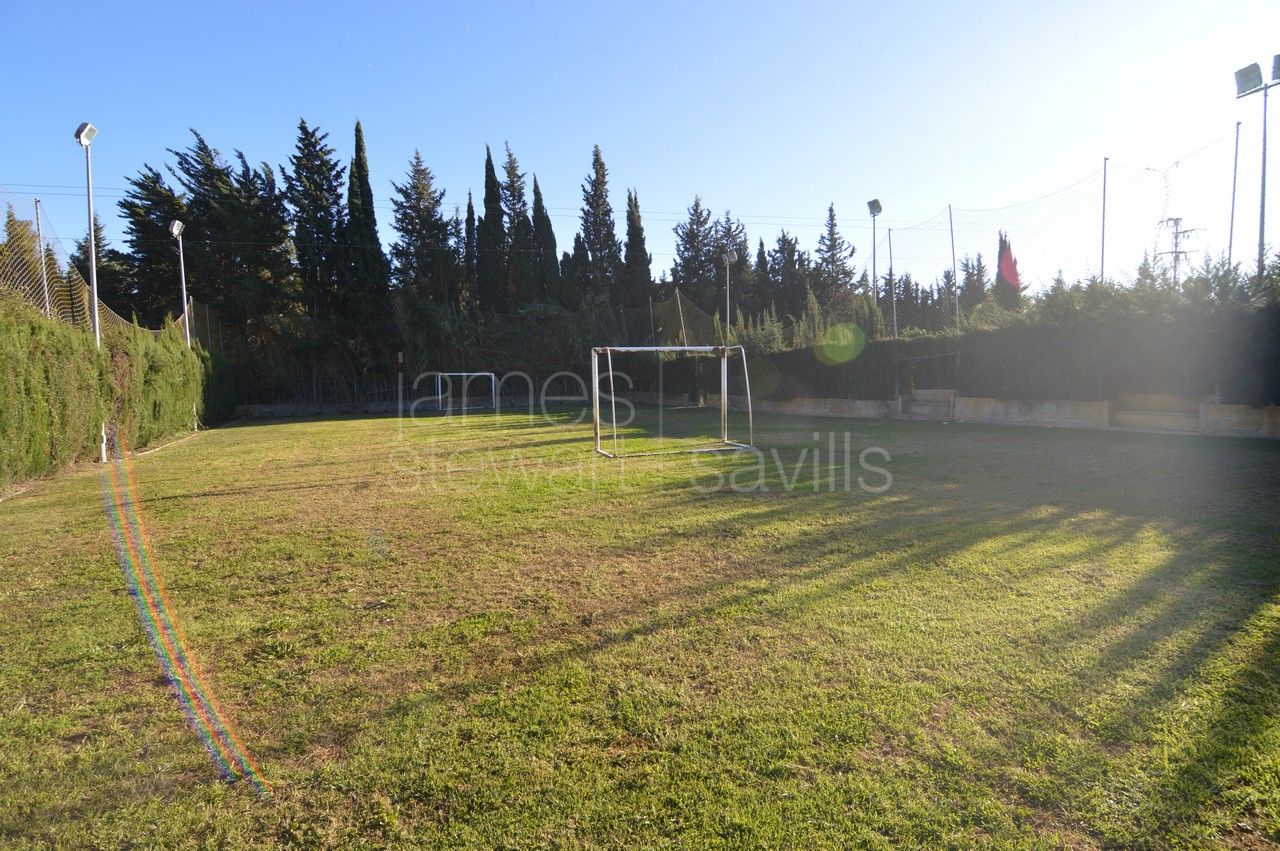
613	449
445	390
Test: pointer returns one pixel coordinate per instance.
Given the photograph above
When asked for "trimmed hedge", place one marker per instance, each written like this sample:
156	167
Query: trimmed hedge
1234	355
56	387
52	398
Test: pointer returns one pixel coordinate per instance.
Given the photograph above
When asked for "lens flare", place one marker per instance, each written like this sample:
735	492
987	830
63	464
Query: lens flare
120	499
841	343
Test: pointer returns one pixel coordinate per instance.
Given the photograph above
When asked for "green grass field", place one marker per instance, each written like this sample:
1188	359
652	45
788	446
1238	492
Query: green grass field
478	633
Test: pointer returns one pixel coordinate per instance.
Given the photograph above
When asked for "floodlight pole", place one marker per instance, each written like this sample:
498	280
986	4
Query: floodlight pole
1235	170
729	257
1249	81
85	134
1262	207
93	250
176	229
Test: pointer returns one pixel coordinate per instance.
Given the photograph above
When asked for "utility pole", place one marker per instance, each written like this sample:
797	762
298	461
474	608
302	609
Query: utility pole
1102	260
44	271
955	281
1235	170
1179	233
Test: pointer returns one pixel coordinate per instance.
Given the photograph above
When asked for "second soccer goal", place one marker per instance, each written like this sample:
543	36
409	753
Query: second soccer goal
661	400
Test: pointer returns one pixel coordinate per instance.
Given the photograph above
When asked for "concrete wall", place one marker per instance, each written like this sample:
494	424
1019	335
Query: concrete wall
1176	416
1066	414
1240	420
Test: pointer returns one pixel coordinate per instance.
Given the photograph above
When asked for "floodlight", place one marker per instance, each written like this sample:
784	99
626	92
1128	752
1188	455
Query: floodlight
731	256
874	206
1275	68
85	133
175	228
1248	79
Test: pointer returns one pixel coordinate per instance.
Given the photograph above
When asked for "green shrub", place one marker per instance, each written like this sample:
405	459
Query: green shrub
56	388
53	387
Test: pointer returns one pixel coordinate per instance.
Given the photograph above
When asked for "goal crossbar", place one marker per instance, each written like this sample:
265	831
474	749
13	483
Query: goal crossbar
723	353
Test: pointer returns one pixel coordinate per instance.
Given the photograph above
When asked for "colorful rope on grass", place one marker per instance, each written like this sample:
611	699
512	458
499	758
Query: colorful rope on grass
120	496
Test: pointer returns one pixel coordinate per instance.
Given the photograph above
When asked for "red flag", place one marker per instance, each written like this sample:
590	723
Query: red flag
1008	267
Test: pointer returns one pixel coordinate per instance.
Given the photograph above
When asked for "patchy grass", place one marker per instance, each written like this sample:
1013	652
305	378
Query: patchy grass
475	632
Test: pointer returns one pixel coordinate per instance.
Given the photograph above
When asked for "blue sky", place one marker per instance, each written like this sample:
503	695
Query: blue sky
770	110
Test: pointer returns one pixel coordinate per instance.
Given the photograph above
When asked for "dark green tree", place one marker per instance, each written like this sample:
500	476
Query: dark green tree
546	263
790	272
368	289
694	270
313	187
575	275
598	230
469	247
730	233
116	288
237	243
637	277
760	297
425	264
522	287
149	206
973	283
832	261
1008	287
491	242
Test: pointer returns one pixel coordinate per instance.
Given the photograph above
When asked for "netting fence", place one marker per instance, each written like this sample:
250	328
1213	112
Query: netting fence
1172	215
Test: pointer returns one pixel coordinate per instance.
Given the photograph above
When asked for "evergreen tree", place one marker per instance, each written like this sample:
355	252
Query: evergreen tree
789	274
521	252
491	244
1008	288
694	270
731	234
19	254
760	296
834	269
314	192
369	286
115	285
575	275
148	207
425	264
973	283
637	276
236	241
546	267
469	246
598	230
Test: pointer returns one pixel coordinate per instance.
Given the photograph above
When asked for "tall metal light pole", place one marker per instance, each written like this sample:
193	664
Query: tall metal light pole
1249	81
85	134
175	228
1235	169
729	257
873	207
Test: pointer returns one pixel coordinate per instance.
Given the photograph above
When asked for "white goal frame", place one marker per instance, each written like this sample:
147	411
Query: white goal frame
722	353
466	381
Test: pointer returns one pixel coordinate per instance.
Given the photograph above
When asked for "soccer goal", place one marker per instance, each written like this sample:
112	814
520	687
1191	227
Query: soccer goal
466	391
692	429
